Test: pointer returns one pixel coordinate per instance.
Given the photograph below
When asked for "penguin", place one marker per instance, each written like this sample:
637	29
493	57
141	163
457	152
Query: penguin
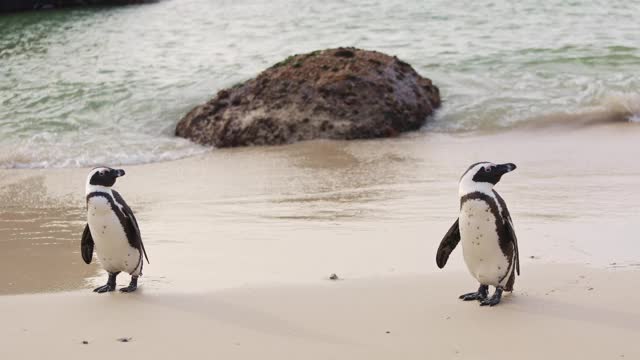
489	243
112	229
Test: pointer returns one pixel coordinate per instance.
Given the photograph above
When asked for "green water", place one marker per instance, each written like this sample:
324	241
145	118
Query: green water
107	85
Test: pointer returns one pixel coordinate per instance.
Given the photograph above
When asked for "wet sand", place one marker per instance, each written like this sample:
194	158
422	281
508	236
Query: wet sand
38	238
241	243
295	214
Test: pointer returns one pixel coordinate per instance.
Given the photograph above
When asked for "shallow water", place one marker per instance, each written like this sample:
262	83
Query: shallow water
107	85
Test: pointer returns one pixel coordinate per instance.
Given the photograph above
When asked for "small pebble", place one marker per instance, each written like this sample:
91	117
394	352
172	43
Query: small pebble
124	339
388	332
334	277
85	342
590	289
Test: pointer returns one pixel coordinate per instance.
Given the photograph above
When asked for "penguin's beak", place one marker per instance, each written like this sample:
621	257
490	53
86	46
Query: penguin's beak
505	168
118	172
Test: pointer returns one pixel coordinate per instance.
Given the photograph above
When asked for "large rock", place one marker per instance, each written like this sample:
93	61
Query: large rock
342	93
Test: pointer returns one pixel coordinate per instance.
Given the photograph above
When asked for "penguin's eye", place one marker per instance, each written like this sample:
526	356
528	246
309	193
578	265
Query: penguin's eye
101	172
487	169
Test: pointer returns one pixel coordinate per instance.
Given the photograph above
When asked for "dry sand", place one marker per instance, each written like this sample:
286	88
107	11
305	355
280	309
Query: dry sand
561	312
241	242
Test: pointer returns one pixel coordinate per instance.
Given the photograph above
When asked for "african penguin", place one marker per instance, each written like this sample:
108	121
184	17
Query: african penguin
112	229
489	243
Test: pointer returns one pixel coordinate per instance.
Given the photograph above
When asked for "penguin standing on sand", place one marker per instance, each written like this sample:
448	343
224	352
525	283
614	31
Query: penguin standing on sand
489	243
112	229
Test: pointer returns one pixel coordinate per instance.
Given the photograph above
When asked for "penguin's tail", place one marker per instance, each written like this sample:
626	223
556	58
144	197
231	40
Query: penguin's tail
145	253
512	279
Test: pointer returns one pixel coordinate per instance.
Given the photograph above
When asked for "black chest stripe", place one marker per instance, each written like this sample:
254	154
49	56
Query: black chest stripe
124	221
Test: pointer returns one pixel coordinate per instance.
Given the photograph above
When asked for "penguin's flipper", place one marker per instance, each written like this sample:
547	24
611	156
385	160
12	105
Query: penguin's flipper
135	240
448	243
86	245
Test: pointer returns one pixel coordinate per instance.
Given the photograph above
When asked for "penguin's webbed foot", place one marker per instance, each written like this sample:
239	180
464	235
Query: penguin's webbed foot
481	294
128	289
105	288
494	300
111	284
133	285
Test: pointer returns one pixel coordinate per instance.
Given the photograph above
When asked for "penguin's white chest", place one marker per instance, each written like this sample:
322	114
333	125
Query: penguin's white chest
480	245
111	244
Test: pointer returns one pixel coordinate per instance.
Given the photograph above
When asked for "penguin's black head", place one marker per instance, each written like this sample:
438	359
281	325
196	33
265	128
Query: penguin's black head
486	172
104	176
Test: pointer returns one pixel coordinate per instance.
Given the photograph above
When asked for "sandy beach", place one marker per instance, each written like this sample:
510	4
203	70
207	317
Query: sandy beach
242	243
560	312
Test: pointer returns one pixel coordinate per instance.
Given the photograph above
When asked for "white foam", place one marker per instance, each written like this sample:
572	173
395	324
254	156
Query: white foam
623	102
34	153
